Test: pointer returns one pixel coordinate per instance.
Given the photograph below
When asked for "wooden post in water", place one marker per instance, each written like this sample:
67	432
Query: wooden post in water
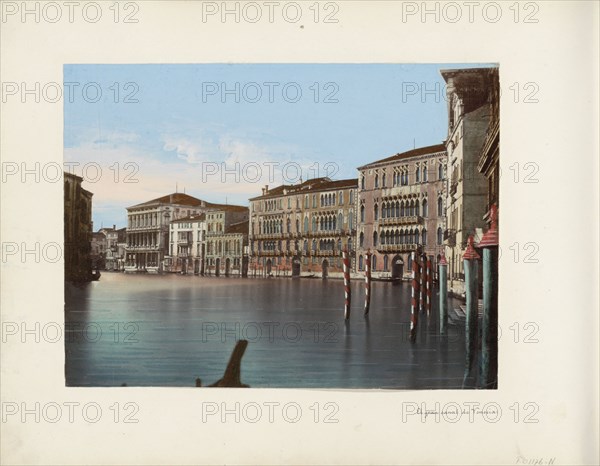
443	279
232	376
429	284
347	290
470	259
414	308
423	282
489	338
368	282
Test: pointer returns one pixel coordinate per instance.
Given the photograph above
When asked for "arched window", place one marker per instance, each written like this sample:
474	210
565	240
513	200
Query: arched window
362	213
373	262
418	174
424	237
339	244
439	236
440	207
297	226
362	182
322	201
383	181
361	239
424	173
351	197
305	246
289	225
376	212
334	223
440	172
424	209
376	181
402	210
417	210
350	220
305	224
374	238
409	262
360	263
416	240
340	222
385	263
341	197
314	224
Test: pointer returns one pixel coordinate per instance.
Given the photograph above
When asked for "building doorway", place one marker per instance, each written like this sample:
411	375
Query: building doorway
325	268
227	266
296	266
397	268
218	267
269	266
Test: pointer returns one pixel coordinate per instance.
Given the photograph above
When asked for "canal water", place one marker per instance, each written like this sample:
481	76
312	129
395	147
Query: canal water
167	330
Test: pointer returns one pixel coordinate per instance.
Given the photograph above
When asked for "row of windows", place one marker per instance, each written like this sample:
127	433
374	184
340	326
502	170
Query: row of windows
323	245
327	223
391	237
324	200
401	178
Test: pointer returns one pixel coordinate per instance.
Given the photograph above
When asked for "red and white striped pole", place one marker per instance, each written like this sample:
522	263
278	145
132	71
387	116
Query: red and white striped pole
368	283
347	291
429	284
414	308
423	269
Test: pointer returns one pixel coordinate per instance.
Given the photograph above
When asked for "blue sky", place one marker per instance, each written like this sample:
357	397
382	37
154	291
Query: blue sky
183	128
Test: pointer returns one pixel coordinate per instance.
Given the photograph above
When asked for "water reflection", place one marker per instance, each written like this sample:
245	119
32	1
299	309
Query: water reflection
169	330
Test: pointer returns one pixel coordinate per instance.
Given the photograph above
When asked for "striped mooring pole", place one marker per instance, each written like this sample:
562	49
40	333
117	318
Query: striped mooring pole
414	308
470	259
423	274
489	335
368	282
347	290
443	281
429	284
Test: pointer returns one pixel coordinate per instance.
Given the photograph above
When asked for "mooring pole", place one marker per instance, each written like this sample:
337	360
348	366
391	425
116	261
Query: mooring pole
443	278
423	284
347	290
489	338
414	308
368	283
470	258
429	284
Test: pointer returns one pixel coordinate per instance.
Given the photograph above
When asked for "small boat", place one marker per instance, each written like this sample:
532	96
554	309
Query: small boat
95	275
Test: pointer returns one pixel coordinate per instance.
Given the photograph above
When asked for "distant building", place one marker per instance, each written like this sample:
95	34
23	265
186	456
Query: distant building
187	245
78	229
401	207
114	256
226	239
98	250
301	229
469	115
148	229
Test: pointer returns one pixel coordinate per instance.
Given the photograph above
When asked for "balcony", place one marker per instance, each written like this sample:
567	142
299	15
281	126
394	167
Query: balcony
407	220
269	236
450	237
453	188
326	253
395	248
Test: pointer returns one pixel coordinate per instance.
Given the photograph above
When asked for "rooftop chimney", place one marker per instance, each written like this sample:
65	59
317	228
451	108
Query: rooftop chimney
265	190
